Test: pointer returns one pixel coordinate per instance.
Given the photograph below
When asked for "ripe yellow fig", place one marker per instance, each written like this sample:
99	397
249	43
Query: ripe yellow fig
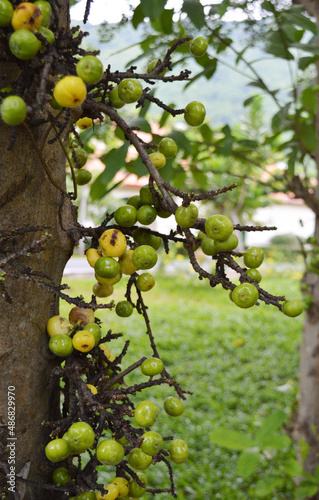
92	388
26	16
126	264
58	325
111	494
107	352
108	281
70	91
83	341
84	123
113	243
92	255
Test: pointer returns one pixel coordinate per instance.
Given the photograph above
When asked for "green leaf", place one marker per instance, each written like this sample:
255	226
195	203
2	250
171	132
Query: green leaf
181	140
308	136
141	124
247	461
276	47
306	489
304	449
179	179
195	12
114	160
164	23
232	440
250	99
138	16
292	467
292	162
266	485
206	132
316	474
309	100
294	16
275	442
207	72
153	9
270	425
304	62
307	47
266	5
137	167
201	179
259	84
279	120
227	147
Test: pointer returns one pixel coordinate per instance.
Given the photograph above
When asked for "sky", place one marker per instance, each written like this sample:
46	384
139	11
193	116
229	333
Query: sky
112	11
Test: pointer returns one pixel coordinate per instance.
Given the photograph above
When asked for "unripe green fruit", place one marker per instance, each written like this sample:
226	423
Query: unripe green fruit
152	443
198	46
254	274
125	216
90	69
186	216
173	406
218	227
13	110
145	282
152	366
168	147
245	295
138	459
61	476
47	34
195	113
80	437
61	345
124	309
292	307
82	177
146	238
57	450
81	157
24	45
253	257
146	215
208	246
116	102
95	330
46	11
107	267
144	257
6	12
110	452
178	451
146	195
151	66
130	90
146	414
135	201
135	490
158	159
227	245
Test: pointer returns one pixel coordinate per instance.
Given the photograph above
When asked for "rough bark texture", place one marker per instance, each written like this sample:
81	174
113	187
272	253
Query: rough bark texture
28	199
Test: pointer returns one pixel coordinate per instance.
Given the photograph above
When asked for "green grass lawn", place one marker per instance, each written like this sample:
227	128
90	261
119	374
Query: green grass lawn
234	386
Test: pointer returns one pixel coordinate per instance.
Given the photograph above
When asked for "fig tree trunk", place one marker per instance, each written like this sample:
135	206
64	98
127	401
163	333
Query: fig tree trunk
34	246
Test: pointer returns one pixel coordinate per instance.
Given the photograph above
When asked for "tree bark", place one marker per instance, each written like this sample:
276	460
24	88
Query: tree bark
28	199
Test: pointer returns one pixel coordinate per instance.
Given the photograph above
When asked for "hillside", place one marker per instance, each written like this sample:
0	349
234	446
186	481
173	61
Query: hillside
222	95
